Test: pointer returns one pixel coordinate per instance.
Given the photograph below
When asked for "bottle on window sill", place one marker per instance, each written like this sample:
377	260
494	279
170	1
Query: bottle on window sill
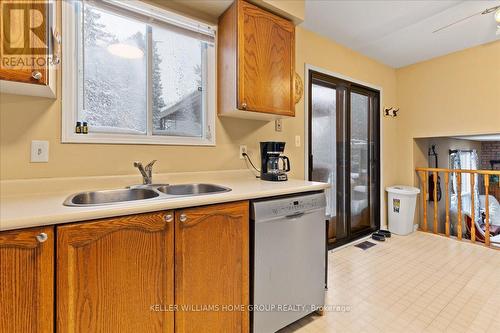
85	128
78	128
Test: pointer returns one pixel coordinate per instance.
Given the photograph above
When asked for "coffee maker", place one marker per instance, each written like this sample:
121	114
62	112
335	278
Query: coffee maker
271	155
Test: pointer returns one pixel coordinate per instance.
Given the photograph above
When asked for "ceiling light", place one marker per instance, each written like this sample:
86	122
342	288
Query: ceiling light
125	51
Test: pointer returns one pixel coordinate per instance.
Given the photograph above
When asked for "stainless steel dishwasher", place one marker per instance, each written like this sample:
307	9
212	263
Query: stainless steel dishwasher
289	244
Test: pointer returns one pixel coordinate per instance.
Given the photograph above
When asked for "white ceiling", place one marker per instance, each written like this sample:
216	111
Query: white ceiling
400	33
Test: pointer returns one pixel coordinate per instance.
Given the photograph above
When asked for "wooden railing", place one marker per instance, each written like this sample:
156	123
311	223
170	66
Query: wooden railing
424	176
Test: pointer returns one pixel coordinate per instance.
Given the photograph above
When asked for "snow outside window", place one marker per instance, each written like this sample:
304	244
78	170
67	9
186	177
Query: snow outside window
137	74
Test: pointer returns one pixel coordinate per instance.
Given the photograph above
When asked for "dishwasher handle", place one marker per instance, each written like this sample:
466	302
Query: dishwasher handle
295	215
290	216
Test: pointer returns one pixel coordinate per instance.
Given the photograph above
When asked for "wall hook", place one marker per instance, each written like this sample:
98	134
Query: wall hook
391	112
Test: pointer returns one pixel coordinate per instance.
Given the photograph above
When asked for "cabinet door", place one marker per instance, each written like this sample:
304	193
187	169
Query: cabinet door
27	280
25	48
211	268
116	275
266	56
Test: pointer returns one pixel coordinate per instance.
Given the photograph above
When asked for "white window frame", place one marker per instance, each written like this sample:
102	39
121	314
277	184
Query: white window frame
70	76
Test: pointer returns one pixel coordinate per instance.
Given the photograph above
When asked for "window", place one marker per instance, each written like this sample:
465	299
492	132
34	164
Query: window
466	163
465	160
137	74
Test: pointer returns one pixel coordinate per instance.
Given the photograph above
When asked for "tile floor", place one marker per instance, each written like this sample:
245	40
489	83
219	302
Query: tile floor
416	283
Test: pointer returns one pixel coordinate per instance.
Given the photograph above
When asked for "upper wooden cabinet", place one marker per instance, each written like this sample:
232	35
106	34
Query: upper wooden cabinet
29	47
211	268
256	63
116	275
27	280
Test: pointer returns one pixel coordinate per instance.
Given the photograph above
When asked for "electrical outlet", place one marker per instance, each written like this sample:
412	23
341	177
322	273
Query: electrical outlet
39	151
297	141
278	126
243	150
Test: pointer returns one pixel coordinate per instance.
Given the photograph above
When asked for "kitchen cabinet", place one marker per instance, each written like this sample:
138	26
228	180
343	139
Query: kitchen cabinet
177	271
29	56
256	63
27	280
211	268
113	275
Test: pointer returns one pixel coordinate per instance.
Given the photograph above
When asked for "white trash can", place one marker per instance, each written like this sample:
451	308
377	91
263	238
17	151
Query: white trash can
402	201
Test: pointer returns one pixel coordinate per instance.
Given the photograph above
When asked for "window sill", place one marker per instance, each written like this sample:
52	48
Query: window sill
100	138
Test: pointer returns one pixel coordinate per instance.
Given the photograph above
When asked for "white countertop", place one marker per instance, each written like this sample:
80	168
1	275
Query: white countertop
30	203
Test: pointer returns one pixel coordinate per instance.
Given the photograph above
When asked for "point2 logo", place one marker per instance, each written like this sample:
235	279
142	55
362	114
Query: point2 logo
25	34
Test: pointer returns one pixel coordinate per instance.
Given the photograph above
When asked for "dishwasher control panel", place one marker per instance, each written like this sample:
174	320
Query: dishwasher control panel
287	206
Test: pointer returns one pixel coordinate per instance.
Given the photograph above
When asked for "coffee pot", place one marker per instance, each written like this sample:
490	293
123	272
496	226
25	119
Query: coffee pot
274	165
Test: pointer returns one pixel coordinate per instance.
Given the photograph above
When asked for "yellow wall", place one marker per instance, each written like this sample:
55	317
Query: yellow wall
318	51
456	94
293	9
450	95
209	11
23	119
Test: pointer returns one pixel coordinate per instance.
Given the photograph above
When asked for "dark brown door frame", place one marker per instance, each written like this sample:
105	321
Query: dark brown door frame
343	91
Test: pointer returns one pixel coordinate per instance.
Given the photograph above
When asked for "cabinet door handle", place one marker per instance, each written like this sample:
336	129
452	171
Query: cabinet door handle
183	218
169	218
244	106
42	237
36	75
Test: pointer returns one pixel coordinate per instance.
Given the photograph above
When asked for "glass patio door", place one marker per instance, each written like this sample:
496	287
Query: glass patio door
362	165
324	150
343	151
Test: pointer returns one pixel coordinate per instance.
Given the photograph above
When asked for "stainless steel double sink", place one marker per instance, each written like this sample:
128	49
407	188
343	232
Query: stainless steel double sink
141	192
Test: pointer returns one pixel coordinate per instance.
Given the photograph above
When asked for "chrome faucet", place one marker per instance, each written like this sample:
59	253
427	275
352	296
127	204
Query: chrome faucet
146	172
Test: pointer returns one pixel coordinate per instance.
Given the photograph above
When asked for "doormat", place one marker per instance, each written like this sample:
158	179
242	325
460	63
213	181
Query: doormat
365	245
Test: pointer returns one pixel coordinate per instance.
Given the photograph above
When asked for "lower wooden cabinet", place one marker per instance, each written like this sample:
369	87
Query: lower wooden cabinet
211	268
27	280
112	273
183	271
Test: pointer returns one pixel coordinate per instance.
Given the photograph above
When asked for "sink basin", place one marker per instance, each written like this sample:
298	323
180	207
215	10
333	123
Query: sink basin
192	189
107	197
141	192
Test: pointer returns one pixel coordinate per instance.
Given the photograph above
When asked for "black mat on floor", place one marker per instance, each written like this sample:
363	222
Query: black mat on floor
365	245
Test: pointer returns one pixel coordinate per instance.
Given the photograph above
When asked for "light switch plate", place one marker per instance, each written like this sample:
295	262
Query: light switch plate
297	141
39	151
278	126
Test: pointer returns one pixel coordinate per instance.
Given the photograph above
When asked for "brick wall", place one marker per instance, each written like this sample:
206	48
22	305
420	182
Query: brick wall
490	150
